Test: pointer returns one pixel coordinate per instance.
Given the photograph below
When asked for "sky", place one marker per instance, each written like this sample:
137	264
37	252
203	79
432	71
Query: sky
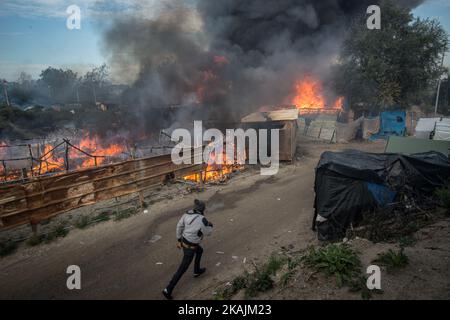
34	35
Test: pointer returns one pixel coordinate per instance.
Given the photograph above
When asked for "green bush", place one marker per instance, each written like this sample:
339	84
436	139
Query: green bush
253	283
392	260
102	216
124	214
444	196
7	248
34	240
82	222
58	231
335	260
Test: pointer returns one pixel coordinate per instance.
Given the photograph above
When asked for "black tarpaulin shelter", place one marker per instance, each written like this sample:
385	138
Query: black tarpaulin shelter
350	182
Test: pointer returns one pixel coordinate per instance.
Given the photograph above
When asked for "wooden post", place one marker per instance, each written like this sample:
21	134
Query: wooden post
31	158
141	199
66	156
4	169
24	173
34	227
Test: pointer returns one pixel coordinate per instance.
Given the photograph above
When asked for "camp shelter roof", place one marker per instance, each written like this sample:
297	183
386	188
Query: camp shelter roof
276	115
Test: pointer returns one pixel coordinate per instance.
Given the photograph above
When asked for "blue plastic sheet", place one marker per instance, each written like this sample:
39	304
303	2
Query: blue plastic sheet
391	123
382	194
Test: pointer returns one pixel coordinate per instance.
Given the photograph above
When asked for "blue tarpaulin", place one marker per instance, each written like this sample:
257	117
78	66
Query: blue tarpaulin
382	194
392	123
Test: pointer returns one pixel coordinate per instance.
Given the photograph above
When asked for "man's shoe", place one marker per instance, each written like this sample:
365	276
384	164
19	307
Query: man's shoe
167	294
199	272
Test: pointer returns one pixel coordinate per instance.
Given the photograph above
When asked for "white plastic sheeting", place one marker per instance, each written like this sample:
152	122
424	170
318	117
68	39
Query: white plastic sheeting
345	132
424	127
442	131
370	126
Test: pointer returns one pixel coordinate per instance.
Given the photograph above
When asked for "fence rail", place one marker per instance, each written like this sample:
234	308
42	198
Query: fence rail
41	198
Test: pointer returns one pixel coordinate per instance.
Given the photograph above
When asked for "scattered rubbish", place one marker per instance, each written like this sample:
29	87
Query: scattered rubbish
218	264
146	211
159	263
220	252
245	260
279	199
234	257
155	238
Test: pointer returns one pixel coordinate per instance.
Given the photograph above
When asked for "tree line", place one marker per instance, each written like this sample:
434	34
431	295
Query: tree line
396	66
61	86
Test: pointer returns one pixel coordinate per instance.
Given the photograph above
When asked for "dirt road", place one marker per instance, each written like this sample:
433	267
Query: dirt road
253	216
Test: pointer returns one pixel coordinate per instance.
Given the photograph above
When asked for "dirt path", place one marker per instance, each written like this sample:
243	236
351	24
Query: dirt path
253	216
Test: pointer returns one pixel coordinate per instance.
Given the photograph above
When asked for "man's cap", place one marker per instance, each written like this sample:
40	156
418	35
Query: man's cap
199	205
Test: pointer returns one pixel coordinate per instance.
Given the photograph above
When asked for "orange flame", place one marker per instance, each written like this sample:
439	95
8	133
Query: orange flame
309	96
91	146
216	171
52	157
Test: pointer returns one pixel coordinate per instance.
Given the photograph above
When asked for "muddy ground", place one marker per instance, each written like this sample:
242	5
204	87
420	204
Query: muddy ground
253	216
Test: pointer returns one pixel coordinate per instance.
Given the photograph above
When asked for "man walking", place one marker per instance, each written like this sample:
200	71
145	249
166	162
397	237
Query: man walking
190	231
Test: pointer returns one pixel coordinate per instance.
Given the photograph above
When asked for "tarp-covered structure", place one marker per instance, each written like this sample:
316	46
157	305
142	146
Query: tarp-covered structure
351	182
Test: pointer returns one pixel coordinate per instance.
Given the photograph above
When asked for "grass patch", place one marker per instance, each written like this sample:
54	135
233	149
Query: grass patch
58	231
34	240
286	278
335	260
7	248
124	214
359	284
292	264
444	197
236	285
253	283
82	222
392	260
102	216
407	241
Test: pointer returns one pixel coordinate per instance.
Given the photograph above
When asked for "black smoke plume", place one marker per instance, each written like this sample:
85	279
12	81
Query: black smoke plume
230	57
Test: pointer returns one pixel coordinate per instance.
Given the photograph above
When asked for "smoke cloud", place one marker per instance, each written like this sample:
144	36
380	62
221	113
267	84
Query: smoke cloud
229	57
